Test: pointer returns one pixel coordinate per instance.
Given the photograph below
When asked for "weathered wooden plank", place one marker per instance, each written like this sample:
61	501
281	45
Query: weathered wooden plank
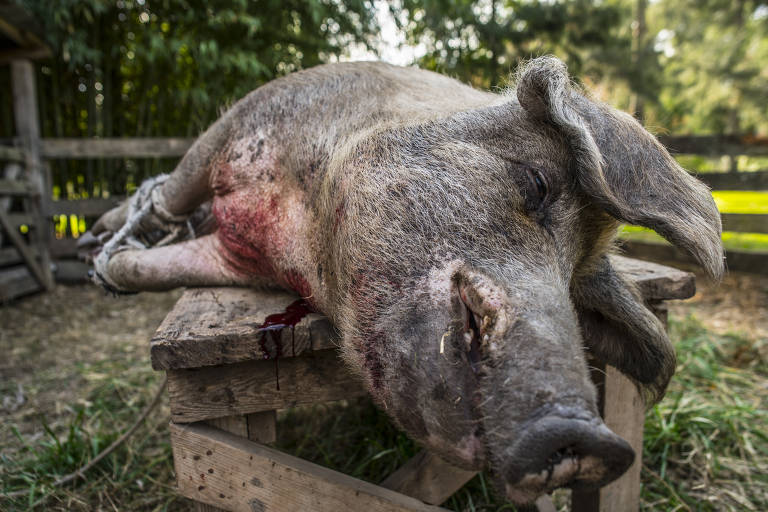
239	426
656	282
10	256
63	248
428	478
71	271
18	219
124	147
16	282
86	207
26	118
715	145
738	261
12	154
757	180
229	472
24	251
623	411
248	387
745	222
213	326
262	427
15	187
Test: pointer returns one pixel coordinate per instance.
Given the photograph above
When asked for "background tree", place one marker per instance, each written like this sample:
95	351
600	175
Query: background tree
167	67
483	42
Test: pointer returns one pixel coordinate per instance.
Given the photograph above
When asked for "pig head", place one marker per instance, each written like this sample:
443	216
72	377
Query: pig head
459	241
474	250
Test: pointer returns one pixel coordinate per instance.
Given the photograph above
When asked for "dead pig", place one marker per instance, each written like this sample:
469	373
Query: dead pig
457	239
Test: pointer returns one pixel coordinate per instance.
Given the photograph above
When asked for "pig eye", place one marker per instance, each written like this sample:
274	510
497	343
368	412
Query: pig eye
540	189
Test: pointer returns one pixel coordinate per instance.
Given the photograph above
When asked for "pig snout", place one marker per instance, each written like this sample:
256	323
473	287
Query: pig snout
526	348
557	451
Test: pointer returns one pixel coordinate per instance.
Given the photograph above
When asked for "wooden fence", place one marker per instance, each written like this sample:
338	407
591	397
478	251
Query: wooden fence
63	250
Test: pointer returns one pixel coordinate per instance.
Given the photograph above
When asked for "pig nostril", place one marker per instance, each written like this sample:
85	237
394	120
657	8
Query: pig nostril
557	457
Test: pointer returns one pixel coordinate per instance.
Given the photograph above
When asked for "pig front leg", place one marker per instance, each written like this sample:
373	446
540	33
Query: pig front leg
198	262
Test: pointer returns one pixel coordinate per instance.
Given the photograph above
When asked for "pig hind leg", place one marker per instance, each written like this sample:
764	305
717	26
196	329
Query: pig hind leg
198	262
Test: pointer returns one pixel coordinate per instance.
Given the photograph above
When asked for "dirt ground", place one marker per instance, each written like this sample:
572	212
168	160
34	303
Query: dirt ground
737	305
57	347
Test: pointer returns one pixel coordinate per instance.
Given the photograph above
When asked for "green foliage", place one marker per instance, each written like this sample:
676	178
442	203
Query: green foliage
166	67
482	41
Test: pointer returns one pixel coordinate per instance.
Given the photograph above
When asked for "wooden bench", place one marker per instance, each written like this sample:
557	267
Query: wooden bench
224	396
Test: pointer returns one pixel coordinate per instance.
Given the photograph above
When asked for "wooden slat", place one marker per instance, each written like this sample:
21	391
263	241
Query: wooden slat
27	121
745	222
245	388
232	473
24	250
63	248
259	427
735	180
86	207
428	478
15	188
9	256
656	282
738	261
18	219
81	148
12	154
214	326
71	271
716	145
16	282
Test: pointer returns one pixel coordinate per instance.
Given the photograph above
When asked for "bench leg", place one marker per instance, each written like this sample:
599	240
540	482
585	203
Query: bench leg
260	427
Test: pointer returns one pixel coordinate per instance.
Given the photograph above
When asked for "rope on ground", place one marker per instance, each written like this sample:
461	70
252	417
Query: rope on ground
80	472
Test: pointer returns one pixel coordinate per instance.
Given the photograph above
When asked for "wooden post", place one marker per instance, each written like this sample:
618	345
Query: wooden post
623	411
259	427
28	129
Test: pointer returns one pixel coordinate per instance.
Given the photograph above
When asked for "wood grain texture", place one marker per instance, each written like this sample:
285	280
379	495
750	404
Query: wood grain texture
656	282
215	326
262	427
116	147
428	478
26	252
16	282
245	388
232	473
27	121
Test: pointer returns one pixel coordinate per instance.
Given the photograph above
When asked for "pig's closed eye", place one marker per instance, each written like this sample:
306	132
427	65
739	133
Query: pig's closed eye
539	189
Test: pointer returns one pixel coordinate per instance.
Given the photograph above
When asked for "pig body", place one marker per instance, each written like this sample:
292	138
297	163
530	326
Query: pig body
457	239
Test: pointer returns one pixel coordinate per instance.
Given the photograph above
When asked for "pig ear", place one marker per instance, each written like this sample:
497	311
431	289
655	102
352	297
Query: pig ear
620	330
622	167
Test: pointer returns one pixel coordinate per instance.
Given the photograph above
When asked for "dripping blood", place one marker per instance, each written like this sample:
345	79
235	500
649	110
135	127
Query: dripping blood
273	327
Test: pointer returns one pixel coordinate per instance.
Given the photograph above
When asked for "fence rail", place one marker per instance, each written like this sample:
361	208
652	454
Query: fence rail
757	180
115	148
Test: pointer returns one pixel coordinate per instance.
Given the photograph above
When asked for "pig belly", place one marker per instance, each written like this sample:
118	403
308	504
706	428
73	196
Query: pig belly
260	233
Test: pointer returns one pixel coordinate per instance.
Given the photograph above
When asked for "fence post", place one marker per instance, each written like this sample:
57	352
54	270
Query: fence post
28	129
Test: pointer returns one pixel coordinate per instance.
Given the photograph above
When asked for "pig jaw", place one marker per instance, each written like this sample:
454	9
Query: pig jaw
490	377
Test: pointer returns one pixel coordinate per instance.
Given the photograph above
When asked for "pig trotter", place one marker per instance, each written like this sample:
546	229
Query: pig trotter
148	224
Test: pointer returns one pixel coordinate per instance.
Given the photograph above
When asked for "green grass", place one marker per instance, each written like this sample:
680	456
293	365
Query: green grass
136	476
706	445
